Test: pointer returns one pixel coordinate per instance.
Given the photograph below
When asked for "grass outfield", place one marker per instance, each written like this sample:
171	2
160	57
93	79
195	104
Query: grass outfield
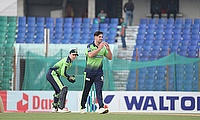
96	116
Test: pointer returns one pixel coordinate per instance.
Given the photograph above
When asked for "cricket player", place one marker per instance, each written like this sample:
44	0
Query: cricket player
93	73
53	76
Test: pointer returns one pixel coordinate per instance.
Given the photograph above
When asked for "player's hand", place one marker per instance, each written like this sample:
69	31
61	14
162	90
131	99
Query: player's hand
71	79
107	46
101	45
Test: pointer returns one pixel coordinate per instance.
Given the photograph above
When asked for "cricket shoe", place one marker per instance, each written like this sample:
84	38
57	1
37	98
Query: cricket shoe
83	111
64	110
54	110
103	110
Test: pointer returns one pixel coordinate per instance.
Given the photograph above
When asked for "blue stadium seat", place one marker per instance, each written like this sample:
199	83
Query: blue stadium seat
67	36
85	25
148	42
177	31
166	42
58	29
195	37
194	42
21	29
77	25
85	30
168	31
68	20
150	30
65	41
189	21
58	35
67	25
174	48
75	38
143	21
103	26
31	29
56	41
186	36
144	26
184	42
77	20
159	31
151	26
161	26
21	21
175	42
177	37
152	21
29	40
39	35
77	30
86	20
167	37
40	19
114	20
30	35
155	47
197	21
163	54
187	26
67	30
112	26
39	29
141	31
186	31
170	21
162	21
182	53
39	40
179	21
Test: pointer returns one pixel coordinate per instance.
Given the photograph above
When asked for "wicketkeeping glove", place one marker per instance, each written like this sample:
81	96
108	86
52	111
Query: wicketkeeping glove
71	79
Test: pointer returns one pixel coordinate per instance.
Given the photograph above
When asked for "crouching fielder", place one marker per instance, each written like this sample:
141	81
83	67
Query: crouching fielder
53	76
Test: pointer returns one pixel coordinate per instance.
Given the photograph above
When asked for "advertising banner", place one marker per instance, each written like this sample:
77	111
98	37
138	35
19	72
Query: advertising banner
116	101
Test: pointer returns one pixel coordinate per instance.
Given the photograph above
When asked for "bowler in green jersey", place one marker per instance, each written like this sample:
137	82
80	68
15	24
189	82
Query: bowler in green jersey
95	53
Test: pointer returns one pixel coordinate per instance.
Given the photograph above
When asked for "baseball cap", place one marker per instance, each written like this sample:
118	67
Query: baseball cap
74	51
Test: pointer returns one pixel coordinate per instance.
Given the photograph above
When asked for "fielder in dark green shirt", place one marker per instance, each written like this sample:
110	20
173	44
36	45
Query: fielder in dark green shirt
95	54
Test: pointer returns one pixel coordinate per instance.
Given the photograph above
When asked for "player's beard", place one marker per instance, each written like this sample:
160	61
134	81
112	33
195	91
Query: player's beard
99	42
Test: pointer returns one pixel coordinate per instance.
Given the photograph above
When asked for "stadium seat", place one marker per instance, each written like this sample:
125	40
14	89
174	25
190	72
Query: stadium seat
196	21
188	21
77	20
179	21
143	21
114	20
68	20
162	21
31	21
85	25
152	21
170	21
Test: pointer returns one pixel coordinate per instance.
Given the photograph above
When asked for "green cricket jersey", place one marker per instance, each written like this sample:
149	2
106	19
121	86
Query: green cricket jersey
62	66
95	64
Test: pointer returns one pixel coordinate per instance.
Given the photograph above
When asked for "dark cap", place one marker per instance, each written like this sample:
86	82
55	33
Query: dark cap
74	52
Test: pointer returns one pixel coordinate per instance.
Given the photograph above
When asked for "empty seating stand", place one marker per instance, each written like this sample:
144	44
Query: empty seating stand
158	38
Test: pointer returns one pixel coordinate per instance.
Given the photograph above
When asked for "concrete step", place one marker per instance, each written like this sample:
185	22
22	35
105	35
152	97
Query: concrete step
121	76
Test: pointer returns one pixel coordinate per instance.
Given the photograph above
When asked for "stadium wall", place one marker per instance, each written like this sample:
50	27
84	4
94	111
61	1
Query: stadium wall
160	102
142	8
8	8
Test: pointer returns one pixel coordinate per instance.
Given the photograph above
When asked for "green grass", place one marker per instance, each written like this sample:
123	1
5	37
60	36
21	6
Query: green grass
96	116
